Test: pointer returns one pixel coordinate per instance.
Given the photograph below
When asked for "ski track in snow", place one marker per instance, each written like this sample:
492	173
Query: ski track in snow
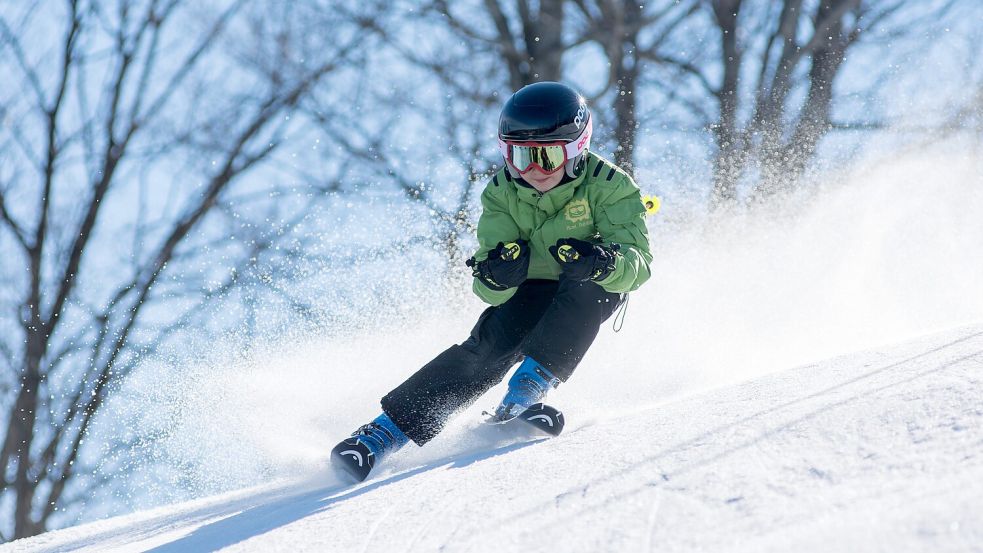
875	451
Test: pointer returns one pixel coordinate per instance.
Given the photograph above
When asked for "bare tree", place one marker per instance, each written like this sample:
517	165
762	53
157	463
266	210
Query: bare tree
528	36
768	95
102	102
443	94
627	32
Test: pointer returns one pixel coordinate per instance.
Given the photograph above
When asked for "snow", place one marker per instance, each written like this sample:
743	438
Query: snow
880	450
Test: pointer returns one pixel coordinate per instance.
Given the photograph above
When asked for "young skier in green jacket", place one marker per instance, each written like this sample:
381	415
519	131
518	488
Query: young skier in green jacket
562	240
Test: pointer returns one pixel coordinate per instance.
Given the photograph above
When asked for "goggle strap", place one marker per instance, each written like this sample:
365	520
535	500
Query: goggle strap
504	148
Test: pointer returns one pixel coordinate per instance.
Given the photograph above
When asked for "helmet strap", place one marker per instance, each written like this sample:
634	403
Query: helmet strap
577	150
574	167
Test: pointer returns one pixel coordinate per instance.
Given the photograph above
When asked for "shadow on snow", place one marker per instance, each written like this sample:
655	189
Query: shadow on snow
261	519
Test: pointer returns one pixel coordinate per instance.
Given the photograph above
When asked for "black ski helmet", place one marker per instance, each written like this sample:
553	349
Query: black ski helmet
548	112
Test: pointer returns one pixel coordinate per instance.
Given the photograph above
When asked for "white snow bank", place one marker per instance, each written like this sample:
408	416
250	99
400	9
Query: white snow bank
875	451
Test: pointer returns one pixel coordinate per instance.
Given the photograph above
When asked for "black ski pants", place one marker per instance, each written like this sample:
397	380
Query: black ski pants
554	322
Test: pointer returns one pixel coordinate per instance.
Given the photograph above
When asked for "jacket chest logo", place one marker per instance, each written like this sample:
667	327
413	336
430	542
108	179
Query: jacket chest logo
577	211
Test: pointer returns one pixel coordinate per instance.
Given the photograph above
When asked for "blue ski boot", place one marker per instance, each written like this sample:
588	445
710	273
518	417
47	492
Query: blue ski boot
371	442
527	387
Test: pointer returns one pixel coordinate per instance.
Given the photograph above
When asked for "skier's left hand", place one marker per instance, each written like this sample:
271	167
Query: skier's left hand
584	261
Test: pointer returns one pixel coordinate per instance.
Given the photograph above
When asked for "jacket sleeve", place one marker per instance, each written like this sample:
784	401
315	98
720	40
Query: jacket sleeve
495	225
620	220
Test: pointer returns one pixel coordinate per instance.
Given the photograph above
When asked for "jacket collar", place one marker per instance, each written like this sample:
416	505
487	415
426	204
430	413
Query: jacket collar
553	200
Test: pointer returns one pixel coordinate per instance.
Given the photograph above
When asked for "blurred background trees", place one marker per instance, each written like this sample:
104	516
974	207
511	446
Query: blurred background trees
126	149
172	170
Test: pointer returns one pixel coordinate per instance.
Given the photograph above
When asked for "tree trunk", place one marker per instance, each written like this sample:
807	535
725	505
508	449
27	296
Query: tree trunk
728	163
814	122
21	434
625	101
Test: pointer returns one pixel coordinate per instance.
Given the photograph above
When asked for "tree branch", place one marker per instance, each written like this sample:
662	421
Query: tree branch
686	67
15	229
32	76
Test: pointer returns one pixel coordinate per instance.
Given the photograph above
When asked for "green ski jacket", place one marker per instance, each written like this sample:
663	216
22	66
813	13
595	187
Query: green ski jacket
602	205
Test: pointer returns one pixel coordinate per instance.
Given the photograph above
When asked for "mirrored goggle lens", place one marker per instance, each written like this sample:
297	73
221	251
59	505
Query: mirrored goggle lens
547	158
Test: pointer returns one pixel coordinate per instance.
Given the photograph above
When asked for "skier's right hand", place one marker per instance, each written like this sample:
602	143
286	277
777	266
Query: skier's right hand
506	267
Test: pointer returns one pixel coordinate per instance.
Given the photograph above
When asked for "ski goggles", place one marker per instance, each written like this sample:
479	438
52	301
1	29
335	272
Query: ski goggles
548	157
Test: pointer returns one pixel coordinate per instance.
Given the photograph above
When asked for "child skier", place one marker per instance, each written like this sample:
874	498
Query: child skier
562	240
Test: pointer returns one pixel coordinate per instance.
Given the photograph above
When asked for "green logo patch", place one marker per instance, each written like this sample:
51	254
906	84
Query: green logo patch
577	211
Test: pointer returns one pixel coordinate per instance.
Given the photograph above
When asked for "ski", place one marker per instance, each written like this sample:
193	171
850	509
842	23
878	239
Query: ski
542	417
353	458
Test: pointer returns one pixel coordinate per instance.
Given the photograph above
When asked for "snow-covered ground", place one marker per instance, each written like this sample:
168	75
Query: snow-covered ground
874	451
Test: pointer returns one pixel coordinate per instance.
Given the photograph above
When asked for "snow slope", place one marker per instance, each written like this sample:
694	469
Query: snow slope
873	451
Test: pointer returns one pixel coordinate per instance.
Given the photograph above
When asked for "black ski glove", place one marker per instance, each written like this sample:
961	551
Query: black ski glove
507	266
582	260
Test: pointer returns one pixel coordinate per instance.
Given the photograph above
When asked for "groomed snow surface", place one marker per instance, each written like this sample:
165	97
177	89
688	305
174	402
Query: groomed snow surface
873	451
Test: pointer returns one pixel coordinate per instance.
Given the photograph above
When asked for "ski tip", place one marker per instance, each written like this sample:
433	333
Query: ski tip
545	418
542	417
352	459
